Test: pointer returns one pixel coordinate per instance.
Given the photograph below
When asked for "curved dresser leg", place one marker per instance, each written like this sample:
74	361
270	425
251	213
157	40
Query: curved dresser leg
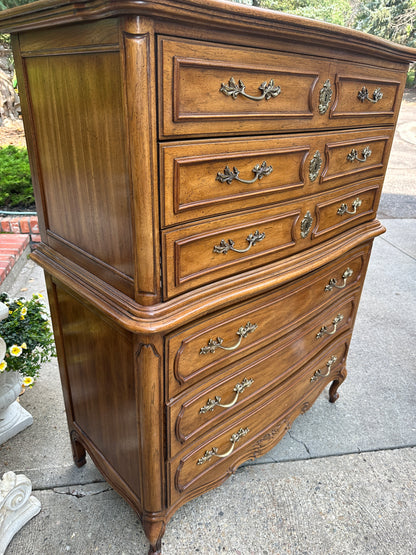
78	451
333	390
156	549
154	532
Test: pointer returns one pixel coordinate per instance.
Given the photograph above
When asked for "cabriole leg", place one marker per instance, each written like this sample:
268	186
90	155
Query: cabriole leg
78	451
333	394
154	532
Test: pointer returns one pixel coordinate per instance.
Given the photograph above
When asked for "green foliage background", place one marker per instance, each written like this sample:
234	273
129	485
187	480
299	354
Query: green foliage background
27	324
15	179
390	19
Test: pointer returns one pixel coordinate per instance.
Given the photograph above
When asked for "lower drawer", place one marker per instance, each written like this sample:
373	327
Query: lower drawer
224	395
201	349
253	432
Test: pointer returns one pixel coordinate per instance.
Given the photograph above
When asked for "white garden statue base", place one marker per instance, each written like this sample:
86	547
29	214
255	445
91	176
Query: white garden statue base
17	506
13	417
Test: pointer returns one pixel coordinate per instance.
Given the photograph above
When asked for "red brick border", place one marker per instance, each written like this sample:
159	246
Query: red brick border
12	246
21	225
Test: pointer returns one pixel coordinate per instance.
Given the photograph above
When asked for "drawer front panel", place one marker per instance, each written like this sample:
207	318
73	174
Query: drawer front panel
211	403
201	179
365	94
198	254
247	435
345	211
274	314
224	90
355	156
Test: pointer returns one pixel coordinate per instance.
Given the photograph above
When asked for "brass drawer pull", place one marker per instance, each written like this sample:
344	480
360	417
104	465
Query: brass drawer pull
216	402
363	95
318	373
252	239
324	329
229	175
268	90
214	451
343	209
214	344
353	155
325	95
333	282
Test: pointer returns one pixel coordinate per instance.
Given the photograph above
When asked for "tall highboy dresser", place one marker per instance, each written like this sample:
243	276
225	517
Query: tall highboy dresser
207	177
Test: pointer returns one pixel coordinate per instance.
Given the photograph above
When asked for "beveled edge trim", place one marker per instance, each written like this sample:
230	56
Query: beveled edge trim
118	278
233	17
166	316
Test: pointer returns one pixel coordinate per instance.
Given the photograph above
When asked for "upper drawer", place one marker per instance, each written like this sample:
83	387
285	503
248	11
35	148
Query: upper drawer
201	179
211	90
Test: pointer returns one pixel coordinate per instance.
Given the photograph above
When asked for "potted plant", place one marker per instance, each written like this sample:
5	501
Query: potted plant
27	342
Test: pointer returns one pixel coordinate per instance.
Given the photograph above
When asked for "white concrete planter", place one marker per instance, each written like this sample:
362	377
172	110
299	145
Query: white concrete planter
13	417
17	506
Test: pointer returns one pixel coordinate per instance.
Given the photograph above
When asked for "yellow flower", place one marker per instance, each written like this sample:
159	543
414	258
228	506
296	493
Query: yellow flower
23	345
23	312
28	381
3	366
15	350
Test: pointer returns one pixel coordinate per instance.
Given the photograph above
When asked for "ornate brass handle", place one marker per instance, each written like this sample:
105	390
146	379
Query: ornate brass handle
343	209
214	451
216	402
259	170
252	239
268	90
324	329
363	95
214	344
333	282
353	155
318	373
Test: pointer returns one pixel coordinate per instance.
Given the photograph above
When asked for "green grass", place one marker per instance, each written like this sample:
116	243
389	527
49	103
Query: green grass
16	191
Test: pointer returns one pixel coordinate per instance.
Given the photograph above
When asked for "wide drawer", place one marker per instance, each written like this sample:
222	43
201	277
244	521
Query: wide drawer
228	392
201	179
197	254
213	90
253	431
197	351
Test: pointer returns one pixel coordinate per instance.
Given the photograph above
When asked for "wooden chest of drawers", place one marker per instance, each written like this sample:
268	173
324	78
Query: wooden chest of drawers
207	179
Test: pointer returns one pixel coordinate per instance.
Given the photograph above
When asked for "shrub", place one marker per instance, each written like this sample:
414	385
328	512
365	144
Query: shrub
16	189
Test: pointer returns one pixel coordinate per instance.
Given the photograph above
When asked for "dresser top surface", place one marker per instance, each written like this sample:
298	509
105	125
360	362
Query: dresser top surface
210	13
